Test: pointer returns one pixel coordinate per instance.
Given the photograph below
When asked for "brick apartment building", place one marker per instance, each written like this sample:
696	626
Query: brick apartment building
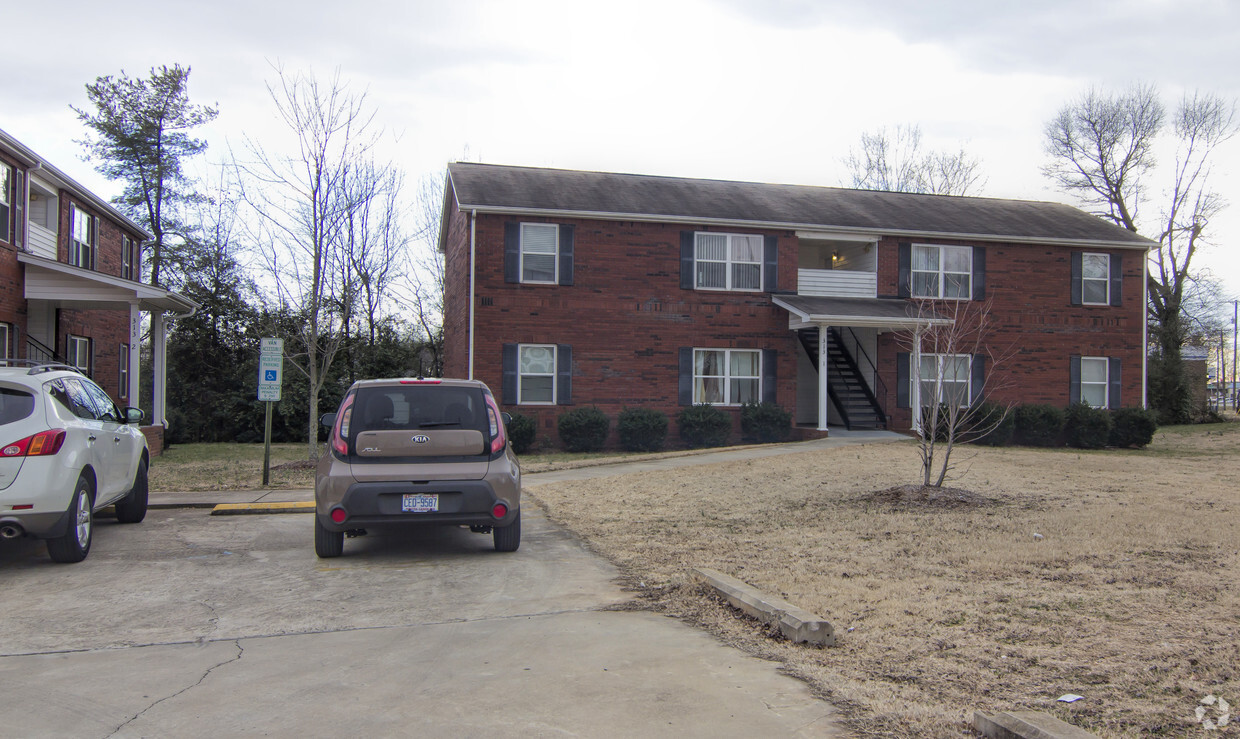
571	288
70	281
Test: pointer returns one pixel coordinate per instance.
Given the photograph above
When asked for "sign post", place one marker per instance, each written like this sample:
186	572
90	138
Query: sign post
270	377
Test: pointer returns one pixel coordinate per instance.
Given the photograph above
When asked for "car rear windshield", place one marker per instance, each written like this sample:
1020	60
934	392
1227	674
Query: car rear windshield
411	407
15	405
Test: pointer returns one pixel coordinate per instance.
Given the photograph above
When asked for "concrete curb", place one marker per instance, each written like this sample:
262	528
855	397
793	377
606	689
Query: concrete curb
794	623
242	509
1026	725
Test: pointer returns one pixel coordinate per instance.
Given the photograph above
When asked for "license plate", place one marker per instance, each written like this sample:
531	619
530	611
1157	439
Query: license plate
415	503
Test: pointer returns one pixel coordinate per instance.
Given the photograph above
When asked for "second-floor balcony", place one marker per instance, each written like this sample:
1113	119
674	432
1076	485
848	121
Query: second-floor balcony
837	283
42	241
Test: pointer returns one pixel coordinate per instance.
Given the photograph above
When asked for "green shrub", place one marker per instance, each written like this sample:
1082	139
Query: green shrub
521	432
642	429
583	429
991	424
1039	425
765	422
1086	427
704	425
1133	427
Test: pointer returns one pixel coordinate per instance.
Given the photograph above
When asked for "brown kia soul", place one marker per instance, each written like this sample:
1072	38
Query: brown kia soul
416	452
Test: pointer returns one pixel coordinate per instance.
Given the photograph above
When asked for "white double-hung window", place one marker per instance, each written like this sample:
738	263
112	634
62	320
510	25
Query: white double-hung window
82	239
536	374
942	271
1095	279
1094	381
539	246
727	261
727	376
945	379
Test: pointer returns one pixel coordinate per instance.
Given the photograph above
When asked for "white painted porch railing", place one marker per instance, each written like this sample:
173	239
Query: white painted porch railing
42	241
837	283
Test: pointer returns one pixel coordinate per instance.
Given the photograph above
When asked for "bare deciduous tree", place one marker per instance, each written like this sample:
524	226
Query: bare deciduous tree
304	202
1102	149
423	289
953	371
894	161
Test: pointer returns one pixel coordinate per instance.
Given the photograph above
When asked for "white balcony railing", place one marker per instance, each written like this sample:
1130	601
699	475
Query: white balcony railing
42	241
837	283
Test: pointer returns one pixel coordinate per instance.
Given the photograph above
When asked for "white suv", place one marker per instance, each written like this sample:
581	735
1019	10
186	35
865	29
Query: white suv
68	451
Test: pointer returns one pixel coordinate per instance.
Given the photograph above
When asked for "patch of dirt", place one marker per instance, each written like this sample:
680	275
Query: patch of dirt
927	497
300	464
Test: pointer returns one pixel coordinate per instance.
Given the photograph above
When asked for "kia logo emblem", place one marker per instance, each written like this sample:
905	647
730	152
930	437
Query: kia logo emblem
421	439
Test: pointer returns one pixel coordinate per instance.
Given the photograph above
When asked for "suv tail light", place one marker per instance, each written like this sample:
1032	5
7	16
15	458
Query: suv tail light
42	444
340	434
499	435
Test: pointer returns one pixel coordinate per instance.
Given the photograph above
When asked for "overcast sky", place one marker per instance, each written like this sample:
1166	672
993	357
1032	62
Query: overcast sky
762	90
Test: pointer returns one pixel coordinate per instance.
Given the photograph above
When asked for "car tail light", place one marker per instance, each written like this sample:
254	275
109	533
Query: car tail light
338	514
340	434
42	444
499	510
499	436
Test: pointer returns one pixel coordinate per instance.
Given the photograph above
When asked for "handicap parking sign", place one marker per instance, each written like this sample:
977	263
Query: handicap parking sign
271	375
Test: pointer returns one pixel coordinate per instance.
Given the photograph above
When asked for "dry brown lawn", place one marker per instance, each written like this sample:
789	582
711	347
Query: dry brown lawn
1109	574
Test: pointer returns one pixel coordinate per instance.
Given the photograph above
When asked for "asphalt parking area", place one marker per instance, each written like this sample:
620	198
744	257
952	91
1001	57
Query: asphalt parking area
193	625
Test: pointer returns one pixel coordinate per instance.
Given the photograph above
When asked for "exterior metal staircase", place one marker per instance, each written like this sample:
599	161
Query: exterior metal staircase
846	386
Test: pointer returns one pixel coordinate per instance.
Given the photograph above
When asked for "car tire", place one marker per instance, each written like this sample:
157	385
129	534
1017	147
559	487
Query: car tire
327	543
508	538
74	544
132	508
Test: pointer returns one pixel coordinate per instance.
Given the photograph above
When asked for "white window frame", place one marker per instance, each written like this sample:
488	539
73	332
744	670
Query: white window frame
555	364
729	262
942	272
727	377
126	257
1105	279
76	247
8	186
77	351
122	364
938	378
555	255
1106	381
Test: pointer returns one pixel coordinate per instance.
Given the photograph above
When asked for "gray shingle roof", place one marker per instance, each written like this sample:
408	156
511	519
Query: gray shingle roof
498	188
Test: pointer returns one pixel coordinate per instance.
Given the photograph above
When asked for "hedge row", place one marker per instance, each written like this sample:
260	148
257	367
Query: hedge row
1081	426
645	429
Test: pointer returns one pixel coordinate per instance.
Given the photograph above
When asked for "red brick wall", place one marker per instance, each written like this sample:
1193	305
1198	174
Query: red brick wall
626	316
1034	322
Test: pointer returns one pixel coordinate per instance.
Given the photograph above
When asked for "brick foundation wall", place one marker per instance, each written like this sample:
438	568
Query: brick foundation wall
154	439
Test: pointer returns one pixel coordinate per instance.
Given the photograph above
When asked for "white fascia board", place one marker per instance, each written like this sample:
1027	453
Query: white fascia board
872	234
87	284
837	236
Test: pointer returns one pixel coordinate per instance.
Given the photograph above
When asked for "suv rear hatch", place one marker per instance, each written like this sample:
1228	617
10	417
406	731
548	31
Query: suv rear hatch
16	405
418	432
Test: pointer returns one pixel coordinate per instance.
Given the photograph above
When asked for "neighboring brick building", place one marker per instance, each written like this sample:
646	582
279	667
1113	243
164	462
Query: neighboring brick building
586	288
70	281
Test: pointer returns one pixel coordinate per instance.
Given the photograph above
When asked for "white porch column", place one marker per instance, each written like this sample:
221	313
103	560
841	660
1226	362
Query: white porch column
159	365
823	400
135	354
914	374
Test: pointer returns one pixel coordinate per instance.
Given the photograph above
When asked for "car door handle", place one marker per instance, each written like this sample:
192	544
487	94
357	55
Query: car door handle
116	439
90	438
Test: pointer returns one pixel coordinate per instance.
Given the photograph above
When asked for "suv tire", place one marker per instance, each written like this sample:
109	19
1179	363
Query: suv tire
74	544
132	508
327	543
508	538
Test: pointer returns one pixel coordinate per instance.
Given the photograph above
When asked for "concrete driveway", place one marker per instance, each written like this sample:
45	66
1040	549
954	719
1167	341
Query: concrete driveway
193	625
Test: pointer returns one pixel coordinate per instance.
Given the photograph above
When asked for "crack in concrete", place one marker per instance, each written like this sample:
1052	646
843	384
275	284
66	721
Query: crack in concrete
209	670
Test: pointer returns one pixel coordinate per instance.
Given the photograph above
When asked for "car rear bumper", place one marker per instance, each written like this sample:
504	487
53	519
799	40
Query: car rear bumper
378	504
